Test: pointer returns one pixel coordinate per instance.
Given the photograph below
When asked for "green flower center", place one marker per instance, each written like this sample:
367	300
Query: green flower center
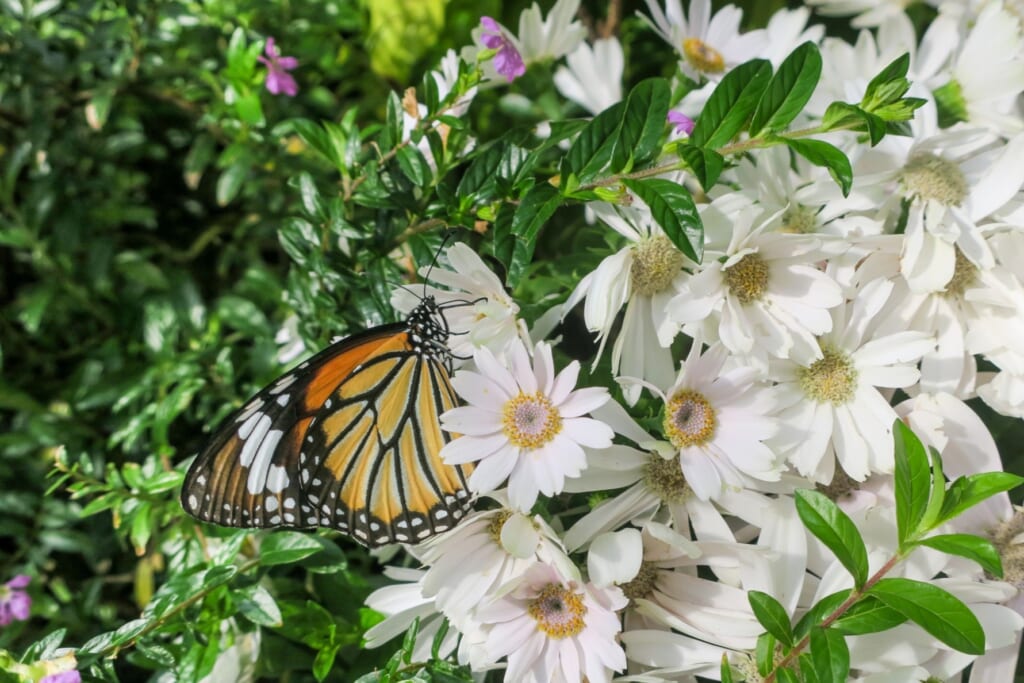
747	279
664	478
930	177
832	379
965	274
799	219
656	262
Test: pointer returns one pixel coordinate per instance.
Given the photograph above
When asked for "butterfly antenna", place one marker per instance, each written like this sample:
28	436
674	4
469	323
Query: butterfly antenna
426	278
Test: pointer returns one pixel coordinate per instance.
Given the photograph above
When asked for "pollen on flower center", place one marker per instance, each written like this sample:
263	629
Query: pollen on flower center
495	525
1007	540
799	219
558	611
832	379
842	485
664	477
703	57
964	275
747	279
689	419
656	262
931	177
642	585
530	420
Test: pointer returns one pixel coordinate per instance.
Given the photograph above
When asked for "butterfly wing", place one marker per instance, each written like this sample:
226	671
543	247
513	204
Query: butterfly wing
350	439
377	473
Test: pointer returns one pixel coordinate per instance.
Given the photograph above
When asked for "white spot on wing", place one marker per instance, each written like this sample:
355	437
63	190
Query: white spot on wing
271	504
277	479
282	384
261	460
253	435
282	400
192	502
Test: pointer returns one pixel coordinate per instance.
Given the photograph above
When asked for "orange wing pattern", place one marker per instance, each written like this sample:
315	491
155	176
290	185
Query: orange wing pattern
348	440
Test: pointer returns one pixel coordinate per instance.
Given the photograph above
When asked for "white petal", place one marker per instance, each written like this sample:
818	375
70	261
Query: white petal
615	558
471	448
583	401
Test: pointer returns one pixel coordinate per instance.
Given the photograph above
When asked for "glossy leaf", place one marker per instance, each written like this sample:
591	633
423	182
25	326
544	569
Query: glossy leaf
772	615
821	153
789	90
912	479
868	615
533	212
830	655
643	121
731	104
285	547
831	526
593	147
814	616
976	548
706	164
936	611
673	209
968	491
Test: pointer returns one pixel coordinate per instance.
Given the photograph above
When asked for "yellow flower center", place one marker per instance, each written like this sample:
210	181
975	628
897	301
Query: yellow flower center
496	524
965	274
530	421
747	279
664	478
558	611
832	379
642	585
689	419
656	262
931	177
703	57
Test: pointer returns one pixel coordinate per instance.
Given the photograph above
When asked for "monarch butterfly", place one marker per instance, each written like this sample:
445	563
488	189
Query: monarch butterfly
349	440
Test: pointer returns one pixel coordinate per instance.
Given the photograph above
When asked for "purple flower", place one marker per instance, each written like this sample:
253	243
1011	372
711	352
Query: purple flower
63	677
508	61
14	601
682	122
278	78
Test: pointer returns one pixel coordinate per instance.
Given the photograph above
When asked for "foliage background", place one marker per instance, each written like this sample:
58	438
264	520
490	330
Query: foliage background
152	211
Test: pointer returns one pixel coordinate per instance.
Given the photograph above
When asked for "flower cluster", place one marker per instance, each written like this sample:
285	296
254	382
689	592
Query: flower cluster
770	365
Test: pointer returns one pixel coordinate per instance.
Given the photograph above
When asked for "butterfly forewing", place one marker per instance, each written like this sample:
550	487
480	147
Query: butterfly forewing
350	440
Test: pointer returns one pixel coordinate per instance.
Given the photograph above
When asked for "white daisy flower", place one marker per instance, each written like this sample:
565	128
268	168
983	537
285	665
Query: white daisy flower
523	423
555	631
758	291
709	45
786	30
868	12
402	603
480	313
593	75
716	421
835	402
644	277
1004	393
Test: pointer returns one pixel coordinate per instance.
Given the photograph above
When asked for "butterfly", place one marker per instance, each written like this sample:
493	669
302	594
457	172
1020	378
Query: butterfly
348	440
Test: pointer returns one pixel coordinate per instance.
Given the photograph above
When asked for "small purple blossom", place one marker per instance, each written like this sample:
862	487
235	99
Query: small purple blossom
278	78
682	122
14	601
508	62
63	677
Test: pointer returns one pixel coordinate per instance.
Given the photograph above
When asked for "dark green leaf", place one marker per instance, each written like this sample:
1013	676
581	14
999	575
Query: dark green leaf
807	670
843	116
772	615
788	91
823	154
936	611
966	492
414	166
706	164
643	121
868	615
285	547
896	72
974	548
593	147
534	210
764	653
672	207
814	616
218	576
479	178
912	480
830	655
731	104
831	526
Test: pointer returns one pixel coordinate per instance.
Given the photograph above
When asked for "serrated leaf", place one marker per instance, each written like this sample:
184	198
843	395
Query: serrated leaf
976	548
868	615
788	92
706	164
731	104
912	479
643	121
831	526
535	208
285	547
830	157
938	612
772	615
830	655
968	491
672	207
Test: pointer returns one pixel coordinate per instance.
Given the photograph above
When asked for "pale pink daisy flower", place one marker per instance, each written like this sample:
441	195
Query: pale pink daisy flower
555	631
523	423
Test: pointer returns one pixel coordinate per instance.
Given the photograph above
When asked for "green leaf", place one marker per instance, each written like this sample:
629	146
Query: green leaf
535	208
593	147
731	104
788	91
725	672
249	108
258	606
912	480
828	156
966	492
938	494
218	576
414	165
814	616
880	90
325	661
831	526
479	178
230	182
976	548
673	209
706	164
807	670
772	615
936	611
643	121
841	115
786	676
285	547
868	615
830	655
764	653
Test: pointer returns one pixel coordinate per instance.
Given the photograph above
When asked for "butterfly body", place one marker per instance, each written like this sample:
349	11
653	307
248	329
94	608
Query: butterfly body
348	440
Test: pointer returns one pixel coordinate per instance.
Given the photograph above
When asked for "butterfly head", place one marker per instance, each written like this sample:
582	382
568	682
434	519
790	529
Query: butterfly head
428	330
